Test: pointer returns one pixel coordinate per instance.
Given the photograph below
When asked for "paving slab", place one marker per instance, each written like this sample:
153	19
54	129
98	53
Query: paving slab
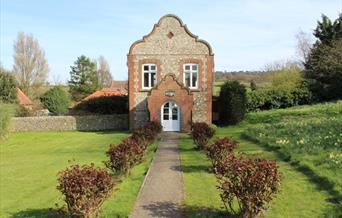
162	193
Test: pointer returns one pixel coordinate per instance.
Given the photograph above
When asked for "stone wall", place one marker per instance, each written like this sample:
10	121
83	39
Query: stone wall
68	123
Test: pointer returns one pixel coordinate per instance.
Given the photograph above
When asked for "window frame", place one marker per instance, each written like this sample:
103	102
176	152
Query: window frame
150	72
191	71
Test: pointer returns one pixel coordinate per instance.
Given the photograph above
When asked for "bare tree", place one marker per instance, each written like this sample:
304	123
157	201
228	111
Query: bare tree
103	71
304	44
30	66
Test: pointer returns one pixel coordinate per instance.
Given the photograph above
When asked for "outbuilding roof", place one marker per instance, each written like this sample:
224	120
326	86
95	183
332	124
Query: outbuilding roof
23	99
105	92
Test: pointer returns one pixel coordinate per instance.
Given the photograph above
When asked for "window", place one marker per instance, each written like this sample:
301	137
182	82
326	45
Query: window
191	75
149	75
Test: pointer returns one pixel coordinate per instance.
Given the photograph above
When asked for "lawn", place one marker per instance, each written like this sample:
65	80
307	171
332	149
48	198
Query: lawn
30	161
301	194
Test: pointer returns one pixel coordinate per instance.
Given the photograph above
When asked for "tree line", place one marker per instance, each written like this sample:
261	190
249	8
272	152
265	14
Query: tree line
31	69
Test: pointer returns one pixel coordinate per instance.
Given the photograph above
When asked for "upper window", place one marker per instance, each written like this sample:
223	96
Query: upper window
191	75
149	75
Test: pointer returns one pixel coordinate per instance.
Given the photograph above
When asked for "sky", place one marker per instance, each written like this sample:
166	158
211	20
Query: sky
244	35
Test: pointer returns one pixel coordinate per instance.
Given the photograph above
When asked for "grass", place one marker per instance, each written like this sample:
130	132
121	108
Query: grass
301	193
30	161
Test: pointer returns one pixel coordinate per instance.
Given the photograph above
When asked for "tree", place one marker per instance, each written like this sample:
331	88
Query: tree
84	78
284	77
103	72
324	65
232	102
327	31
30	66
8	86
324	69
56	100
303	45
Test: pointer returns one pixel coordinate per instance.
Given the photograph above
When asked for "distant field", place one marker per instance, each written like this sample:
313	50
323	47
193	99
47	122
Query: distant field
245	78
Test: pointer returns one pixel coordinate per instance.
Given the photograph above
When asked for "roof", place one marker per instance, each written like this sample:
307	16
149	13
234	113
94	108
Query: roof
22	98
119	84
105	92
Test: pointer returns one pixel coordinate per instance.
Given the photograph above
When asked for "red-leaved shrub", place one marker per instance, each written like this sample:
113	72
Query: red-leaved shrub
201	133
253	182
221	148
123	156
85	189
155	126
144	136
130	151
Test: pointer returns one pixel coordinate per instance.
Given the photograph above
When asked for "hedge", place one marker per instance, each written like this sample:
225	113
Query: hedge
6	113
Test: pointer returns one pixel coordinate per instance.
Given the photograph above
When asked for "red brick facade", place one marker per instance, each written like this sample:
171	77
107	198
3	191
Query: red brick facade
169	46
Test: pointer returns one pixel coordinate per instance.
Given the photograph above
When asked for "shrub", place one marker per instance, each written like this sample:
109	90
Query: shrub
56	100
6	113
155	126
8	87
232	102
302	94
201	133
146	135
122	156
253	182
253	85
131	150
85	189
21	111
104	105
221	148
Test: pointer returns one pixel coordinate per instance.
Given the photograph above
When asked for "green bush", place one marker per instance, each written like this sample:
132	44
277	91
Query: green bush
104	105
21	111
8	87
56	100
232	102
6	113
270	98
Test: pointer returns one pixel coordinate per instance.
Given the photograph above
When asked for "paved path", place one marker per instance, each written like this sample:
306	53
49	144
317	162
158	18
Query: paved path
162	191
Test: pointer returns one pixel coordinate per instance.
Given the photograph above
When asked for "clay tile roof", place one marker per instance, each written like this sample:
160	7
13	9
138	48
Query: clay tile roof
22	98
117	84
106	92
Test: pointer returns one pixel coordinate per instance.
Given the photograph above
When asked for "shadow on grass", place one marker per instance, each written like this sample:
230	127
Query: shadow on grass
41	213
171	210
191	169
107	132
322	183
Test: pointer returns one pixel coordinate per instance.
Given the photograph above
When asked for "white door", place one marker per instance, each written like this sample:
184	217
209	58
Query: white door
170	116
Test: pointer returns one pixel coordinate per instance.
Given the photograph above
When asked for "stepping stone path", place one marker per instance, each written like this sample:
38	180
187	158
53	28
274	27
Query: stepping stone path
161	194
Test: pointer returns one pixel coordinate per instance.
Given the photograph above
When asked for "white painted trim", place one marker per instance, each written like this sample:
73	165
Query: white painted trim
170	116
191	74
149	75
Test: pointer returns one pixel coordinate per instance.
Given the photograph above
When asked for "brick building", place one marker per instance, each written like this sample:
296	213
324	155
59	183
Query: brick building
170	77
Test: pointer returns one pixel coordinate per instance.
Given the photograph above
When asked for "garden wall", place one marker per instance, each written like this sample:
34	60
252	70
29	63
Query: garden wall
67	123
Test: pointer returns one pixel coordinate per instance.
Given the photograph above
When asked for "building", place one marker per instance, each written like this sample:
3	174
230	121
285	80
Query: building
170	77
119	84
106	92
23	100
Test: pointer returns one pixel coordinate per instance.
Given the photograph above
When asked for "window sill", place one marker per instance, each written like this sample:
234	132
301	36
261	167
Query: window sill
145	89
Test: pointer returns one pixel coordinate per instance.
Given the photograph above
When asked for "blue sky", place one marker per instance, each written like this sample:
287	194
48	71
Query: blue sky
244	35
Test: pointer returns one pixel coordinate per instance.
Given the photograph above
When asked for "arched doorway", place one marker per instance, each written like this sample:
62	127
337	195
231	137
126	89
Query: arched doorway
170	118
